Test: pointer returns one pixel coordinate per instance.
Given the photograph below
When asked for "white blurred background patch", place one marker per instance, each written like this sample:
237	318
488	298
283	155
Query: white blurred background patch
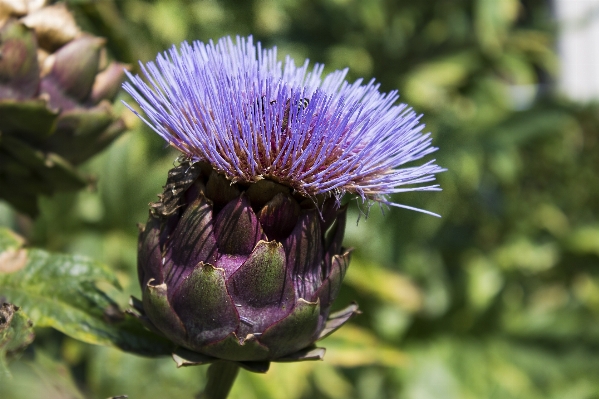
578	48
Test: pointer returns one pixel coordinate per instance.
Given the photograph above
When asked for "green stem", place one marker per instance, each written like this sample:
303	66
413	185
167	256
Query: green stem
221	376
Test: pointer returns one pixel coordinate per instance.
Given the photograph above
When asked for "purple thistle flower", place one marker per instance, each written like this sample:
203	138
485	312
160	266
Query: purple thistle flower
251	117
241	257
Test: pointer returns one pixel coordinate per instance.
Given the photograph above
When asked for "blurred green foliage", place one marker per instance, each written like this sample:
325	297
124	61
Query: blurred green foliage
499	298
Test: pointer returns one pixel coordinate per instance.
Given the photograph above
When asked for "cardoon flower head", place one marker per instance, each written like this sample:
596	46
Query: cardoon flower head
241	257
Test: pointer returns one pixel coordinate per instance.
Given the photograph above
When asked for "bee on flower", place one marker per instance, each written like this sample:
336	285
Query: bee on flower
242	256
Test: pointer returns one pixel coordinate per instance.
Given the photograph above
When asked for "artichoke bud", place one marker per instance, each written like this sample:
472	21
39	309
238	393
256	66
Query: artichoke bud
241	272
55	93
241	259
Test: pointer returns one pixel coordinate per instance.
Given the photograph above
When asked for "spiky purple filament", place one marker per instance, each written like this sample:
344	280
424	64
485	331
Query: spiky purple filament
236	107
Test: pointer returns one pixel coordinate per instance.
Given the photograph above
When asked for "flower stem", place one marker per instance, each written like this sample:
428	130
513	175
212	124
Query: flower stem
221	376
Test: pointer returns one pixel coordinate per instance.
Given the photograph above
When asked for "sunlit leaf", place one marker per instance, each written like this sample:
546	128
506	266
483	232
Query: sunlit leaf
352	346
385	284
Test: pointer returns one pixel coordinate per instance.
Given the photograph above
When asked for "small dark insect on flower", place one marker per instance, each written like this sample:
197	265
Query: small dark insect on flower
242	256
302	104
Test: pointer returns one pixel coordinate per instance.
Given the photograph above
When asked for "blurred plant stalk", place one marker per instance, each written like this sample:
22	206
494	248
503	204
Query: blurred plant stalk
56	88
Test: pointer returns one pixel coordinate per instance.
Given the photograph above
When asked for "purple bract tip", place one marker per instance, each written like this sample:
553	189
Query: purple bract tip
235	106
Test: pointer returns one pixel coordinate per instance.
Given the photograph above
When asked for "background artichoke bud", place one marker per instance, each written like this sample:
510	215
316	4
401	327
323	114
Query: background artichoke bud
241	272
55	94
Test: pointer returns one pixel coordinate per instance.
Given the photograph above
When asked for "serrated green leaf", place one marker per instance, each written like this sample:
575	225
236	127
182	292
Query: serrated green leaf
59	291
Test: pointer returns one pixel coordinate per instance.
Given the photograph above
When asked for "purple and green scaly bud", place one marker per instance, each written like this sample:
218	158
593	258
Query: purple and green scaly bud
242	258
56	90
